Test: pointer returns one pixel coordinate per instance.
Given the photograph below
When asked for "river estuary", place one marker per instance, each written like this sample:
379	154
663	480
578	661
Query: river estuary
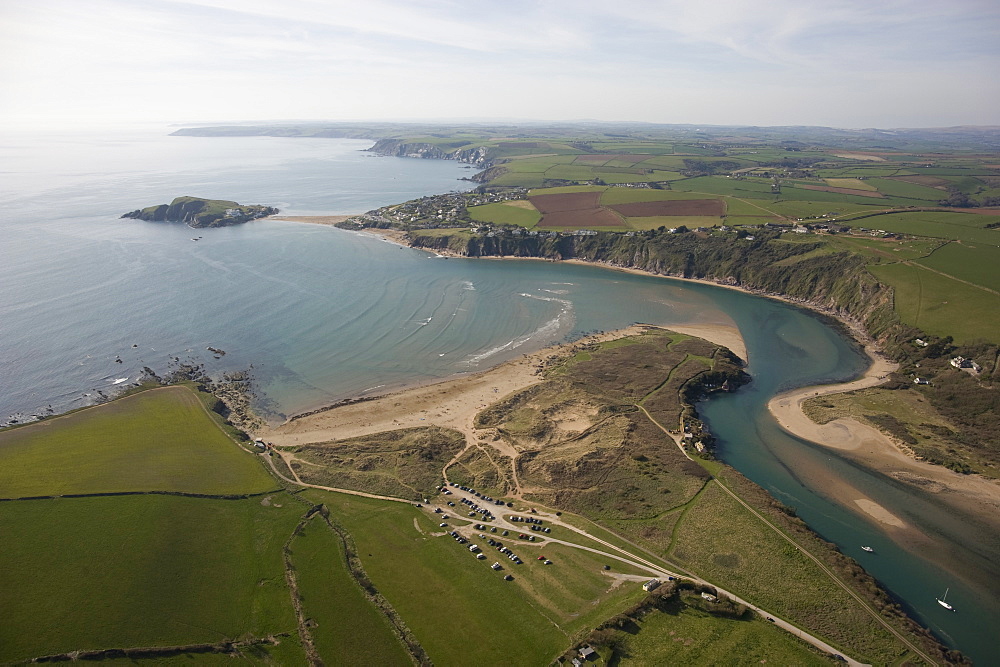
323	314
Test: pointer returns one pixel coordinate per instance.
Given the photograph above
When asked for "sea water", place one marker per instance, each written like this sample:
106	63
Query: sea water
88	299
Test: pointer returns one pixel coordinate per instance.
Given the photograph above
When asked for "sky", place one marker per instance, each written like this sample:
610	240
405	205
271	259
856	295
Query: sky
849	64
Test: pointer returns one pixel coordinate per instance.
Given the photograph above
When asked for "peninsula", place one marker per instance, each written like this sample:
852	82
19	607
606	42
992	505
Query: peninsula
198	213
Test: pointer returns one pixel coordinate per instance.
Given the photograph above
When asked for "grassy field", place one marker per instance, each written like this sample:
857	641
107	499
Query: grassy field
506	214
720	185
898	188
808	209
724	543
97	573
975	264
685	635
850	183
346	628
940	305
445	593
884	250
965	227
157	440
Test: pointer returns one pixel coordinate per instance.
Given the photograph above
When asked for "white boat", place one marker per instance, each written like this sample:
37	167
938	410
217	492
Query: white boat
868	549
943	600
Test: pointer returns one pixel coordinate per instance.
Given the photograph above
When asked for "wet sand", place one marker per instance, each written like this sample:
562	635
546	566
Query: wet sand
972	494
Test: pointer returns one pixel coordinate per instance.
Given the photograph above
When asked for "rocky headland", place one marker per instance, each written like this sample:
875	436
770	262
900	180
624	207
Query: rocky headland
199	213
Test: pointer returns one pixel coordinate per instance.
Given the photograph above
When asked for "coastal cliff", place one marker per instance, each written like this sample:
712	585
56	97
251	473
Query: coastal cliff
199	213
460	151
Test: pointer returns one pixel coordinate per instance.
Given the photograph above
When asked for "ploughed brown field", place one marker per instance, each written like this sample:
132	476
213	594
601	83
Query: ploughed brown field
575	210
643	209
843	191
582	219
569	201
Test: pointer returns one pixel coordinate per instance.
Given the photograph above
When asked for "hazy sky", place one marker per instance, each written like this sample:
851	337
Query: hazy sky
849	63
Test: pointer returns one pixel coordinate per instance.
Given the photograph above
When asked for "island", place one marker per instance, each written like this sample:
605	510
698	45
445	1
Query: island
199	213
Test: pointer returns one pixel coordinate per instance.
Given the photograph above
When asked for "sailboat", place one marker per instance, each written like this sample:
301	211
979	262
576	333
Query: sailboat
943	600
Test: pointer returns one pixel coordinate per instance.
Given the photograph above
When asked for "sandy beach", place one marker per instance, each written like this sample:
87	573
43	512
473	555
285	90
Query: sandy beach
971	494
312	219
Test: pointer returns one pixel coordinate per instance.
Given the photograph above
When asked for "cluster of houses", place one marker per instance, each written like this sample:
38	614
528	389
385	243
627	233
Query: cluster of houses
437	210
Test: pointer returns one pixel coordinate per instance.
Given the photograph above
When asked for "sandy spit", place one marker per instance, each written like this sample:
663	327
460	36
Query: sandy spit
312	219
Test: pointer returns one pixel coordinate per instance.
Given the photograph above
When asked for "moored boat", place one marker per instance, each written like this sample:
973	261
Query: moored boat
943	601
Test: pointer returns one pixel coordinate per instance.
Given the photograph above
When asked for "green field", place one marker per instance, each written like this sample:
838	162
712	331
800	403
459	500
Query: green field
965	227
724	543
131	571
974	264
346	628
940	305
885	250
158	440
442	591
685	635
720	185
506	214
896	188
808	209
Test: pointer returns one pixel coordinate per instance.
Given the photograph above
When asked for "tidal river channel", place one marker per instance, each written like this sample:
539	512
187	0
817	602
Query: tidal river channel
790	348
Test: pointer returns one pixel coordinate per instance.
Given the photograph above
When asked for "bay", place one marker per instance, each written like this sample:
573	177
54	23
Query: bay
323	314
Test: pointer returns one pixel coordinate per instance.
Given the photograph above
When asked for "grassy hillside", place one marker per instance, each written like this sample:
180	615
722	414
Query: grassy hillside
147	570
158	440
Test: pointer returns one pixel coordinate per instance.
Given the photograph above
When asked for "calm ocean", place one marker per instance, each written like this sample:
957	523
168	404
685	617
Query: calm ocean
323	314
